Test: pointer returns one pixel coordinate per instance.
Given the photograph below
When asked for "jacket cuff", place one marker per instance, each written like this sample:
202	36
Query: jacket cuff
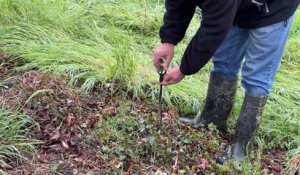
184	69
168	40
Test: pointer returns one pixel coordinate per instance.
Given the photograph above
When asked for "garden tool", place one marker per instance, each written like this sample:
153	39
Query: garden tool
161	73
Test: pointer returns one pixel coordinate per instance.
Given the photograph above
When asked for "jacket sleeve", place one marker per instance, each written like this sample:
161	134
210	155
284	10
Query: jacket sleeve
176	20
217	19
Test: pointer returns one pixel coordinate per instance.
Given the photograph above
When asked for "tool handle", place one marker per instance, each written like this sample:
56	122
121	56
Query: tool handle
161	73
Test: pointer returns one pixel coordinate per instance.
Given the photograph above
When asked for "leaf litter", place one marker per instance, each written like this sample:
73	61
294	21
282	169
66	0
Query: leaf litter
98	133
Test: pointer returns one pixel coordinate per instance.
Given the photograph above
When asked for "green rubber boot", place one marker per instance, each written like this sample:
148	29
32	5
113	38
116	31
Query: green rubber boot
247	125
218	105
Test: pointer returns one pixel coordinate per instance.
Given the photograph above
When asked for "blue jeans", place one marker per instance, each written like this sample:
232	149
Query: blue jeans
262	49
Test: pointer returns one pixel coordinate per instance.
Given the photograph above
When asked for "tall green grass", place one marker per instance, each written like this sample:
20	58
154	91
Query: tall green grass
281	123
14	140
296	28
95	42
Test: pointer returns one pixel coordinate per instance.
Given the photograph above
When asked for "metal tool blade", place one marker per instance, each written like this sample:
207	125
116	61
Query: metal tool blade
161	78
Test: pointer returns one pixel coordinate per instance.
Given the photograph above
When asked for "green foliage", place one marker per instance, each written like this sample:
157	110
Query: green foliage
131	137
296	28
111	42
14	136
94	42
57	168
281	124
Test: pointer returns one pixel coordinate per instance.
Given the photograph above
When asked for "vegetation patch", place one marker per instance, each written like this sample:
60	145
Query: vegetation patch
15	141
101	134
109	124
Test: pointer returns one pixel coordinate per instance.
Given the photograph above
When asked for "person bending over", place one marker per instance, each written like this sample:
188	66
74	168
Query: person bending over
230	31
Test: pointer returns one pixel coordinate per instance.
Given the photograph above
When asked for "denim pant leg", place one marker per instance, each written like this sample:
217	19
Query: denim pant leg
229	56
263	55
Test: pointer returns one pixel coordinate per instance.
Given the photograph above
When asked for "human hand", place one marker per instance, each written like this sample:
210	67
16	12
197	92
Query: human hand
163	56
174	76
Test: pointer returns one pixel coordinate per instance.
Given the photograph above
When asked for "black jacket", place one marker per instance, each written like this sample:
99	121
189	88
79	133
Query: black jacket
217	18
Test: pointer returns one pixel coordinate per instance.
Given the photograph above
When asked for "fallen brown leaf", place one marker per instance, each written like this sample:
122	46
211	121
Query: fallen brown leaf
79	159
296	160
295	166
93	104
204	164
5	166
94	123
276	168
64	144
128	172
55	137
163	138
70	119
110	111
26	172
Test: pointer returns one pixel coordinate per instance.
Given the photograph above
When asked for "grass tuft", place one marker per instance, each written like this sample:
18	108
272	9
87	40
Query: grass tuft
15	143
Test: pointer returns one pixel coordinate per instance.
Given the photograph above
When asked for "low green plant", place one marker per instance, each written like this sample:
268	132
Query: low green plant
133	137
14	136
